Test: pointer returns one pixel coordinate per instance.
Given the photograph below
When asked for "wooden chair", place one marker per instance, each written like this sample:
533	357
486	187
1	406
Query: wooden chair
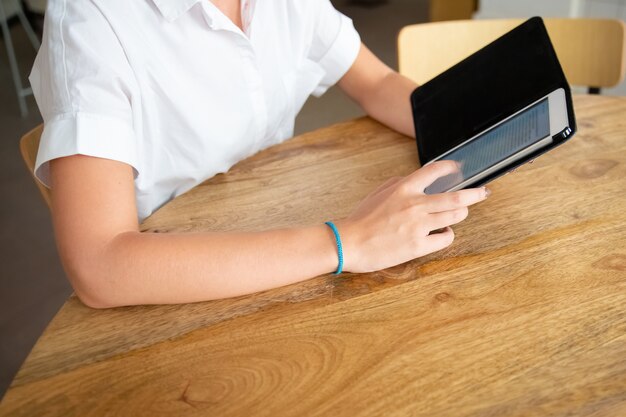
29	145
591	51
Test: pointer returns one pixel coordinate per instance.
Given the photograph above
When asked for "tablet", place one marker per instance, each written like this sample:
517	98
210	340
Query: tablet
516	137
497	109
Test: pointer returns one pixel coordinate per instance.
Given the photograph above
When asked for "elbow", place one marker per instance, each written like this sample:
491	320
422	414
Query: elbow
95	300
94	289
98	275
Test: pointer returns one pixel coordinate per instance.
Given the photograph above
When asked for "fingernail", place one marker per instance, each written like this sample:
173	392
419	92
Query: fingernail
487	192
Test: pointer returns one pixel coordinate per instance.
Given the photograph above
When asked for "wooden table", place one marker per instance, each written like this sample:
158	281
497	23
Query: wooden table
525	314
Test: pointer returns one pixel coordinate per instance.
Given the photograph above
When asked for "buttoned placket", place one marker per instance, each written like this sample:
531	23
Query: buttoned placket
216	20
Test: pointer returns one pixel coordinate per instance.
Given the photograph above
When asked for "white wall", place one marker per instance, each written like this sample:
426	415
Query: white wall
612	9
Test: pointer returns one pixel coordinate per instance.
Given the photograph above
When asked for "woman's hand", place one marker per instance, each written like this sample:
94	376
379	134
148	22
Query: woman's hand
394	224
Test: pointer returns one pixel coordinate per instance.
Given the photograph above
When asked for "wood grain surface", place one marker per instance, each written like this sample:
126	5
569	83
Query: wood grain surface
524	315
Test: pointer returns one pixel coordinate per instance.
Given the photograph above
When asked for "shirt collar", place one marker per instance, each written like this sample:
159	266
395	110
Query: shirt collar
173	9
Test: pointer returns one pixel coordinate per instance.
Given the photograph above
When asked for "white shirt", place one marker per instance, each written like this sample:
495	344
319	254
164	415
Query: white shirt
175	89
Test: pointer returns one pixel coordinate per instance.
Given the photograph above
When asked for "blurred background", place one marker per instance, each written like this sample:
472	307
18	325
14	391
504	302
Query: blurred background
32	283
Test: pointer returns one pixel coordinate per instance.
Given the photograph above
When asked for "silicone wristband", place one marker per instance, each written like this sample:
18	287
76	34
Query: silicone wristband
339	248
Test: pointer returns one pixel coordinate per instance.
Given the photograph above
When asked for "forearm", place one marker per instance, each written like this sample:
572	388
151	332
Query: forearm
147	268
381	92
389	103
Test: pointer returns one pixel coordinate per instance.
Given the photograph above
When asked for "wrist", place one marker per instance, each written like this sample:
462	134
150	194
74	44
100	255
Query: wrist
327	255
347	233
339	246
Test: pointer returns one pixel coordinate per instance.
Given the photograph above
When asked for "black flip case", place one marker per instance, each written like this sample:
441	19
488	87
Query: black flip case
505	76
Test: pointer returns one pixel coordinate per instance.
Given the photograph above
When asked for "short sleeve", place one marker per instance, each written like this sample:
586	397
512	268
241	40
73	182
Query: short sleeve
335	45
84	86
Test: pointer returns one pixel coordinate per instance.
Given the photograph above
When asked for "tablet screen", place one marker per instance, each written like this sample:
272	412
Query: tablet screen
487	87
497	144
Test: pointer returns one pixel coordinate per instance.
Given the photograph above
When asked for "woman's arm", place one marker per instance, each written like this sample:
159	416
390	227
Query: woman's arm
110	263
380	91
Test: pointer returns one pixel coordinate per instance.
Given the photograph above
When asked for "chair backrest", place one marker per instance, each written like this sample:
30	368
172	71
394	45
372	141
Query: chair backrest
29	145
591	51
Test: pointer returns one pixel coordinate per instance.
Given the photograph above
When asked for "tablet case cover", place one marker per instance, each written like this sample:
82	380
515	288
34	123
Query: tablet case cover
500	79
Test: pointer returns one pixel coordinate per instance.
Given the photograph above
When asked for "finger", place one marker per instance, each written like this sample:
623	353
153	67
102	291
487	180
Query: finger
447	218
428	174
438	241
436	203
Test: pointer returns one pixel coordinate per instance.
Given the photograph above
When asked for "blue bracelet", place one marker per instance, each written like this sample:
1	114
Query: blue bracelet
339	248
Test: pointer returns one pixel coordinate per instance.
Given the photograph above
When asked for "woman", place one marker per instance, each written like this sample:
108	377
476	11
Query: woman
143	100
